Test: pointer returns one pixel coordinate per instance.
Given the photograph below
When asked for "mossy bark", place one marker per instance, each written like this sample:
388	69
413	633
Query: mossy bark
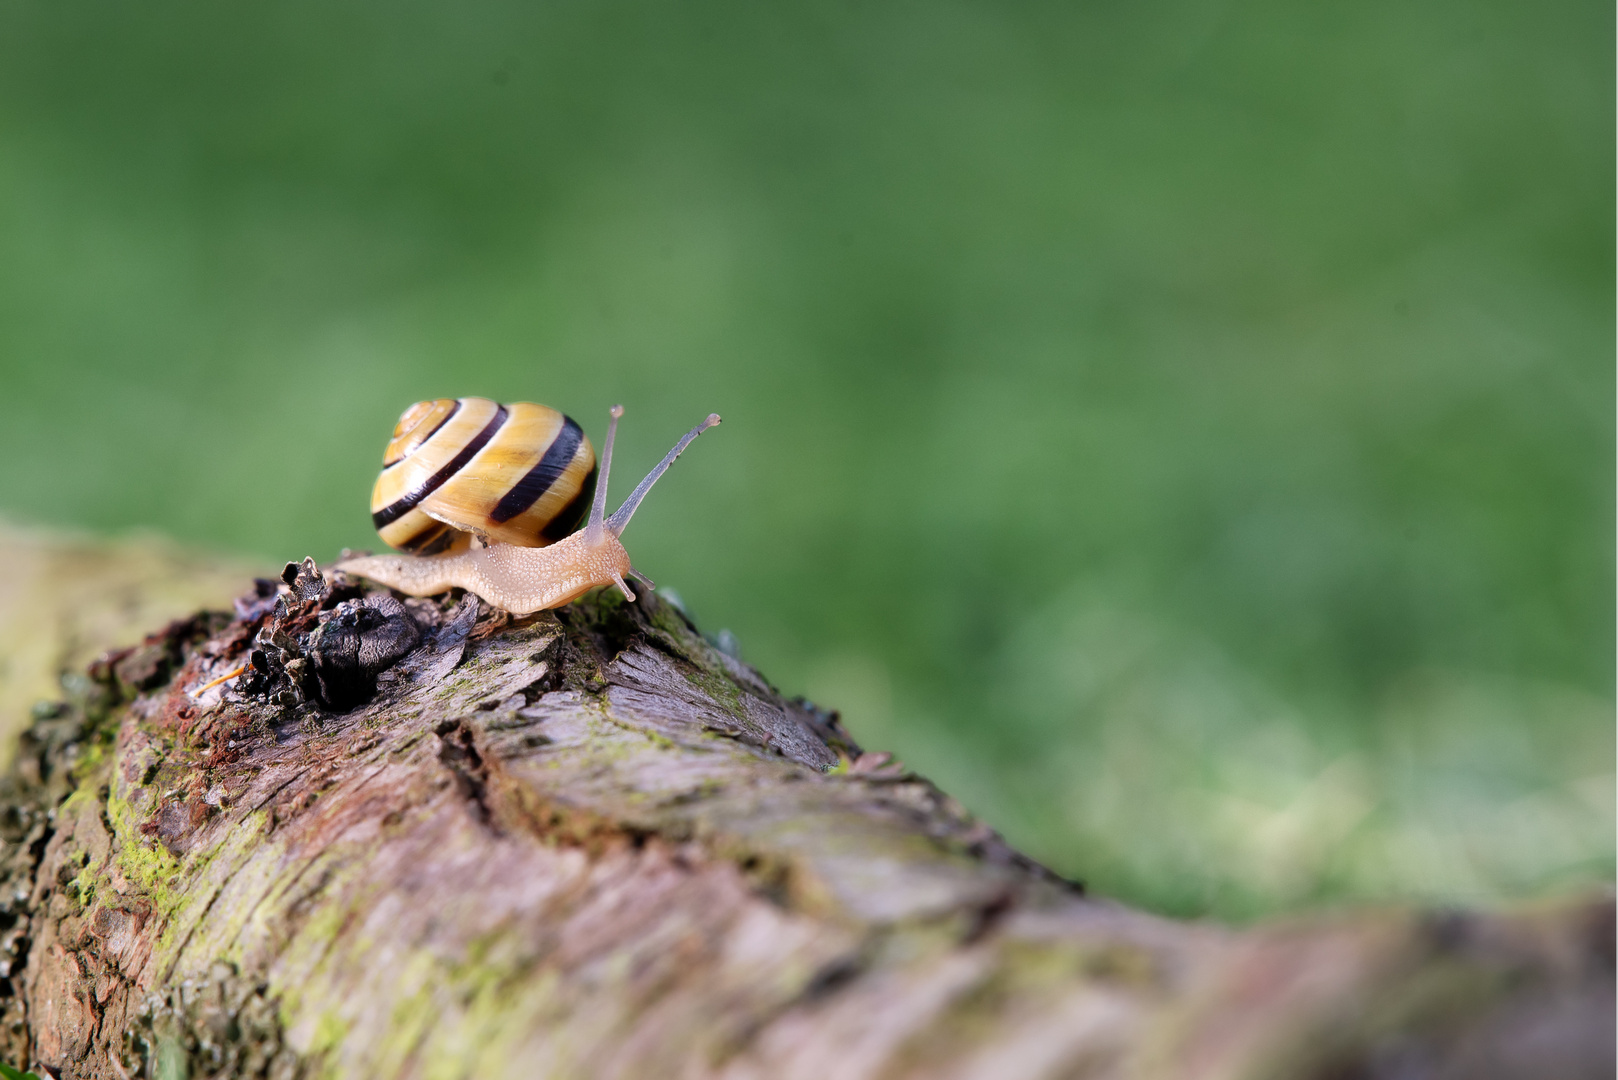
591	844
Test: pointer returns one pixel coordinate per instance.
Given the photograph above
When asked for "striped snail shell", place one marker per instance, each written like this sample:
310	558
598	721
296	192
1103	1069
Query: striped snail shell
457	467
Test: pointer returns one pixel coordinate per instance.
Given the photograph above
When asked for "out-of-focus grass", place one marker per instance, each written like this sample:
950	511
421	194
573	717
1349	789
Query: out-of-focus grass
1182	429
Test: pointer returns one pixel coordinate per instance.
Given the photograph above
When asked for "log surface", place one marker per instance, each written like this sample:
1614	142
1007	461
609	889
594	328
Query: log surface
591	844
66	597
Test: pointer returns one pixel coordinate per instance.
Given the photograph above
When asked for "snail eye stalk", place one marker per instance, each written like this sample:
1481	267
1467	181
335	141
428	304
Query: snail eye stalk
620	517
599	506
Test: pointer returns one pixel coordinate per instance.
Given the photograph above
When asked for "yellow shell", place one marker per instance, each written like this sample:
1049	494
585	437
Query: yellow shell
519	474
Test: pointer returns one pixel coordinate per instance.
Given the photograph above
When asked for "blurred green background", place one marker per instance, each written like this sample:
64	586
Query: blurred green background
1184	430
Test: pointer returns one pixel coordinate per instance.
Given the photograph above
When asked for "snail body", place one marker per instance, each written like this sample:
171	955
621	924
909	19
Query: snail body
521	577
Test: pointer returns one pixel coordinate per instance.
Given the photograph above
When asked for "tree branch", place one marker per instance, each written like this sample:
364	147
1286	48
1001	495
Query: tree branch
589	843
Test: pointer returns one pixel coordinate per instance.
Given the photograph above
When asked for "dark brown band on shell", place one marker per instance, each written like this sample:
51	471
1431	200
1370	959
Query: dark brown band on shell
408	502
441	541
569	517
538	480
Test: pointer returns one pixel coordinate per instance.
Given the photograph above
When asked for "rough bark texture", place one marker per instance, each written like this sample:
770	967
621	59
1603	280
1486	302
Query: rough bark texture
591	844
64	598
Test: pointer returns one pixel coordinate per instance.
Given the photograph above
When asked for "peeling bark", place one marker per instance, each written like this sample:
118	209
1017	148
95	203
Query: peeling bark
589	843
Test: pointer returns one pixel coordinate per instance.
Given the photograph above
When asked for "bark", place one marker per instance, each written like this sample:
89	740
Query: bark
64	598
591	844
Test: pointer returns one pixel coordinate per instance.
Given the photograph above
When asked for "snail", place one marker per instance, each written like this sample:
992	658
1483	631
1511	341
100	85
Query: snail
486	496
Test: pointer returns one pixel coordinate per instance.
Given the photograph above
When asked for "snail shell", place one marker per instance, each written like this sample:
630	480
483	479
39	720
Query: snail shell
457	467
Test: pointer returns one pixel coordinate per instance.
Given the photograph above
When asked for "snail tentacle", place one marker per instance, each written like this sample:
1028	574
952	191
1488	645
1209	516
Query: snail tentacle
598	508
623	587
620	517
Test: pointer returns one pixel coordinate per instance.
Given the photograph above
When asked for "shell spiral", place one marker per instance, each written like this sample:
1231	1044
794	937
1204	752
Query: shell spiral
520	474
